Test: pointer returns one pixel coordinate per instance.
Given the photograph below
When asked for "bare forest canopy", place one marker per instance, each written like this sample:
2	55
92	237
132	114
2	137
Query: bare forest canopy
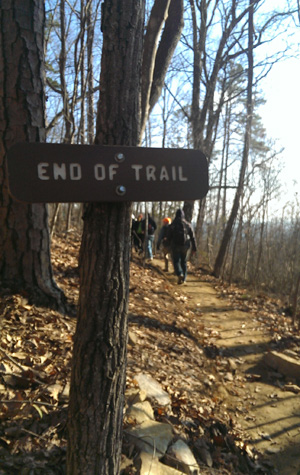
206	96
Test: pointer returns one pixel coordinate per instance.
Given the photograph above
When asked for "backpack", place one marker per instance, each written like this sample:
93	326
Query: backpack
150	229
180	233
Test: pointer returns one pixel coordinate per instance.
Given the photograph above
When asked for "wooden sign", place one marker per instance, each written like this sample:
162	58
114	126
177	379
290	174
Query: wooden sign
50	173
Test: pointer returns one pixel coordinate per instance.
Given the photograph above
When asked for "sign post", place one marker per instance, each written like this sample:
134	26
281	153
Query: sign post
40	172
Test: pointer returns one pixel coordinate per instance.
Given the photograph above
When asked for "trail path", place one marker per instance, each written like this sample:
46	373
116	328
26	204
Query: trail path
268	414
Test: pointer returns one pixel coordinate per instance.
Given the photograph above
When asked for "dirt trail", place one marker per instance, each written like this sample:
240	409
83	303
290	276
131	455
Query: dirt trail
268	415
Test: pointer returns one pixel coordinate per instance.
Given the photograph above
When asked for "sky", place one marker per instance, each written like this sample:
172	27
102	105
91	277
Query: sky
280	117
281	112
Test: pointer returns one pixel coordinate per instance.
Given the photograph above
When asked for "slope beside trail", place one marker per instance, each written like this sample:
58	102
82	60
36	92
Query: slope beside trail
203	343
266	408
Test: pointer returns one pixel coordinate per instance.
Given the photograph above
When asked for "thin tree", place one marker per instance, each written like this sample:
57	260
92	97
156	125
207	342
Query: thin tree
234	211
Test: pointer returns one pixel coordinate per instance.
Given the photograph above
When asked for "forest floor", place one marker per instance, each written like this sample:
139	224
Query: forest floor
204	342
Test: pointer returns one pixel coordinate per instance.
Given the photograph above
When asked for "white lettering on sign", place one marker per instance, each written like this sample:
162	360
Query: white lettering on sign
59	171
137	169
100	171
154	174
73	171
180	175
42	170
112	170
150	172
163	174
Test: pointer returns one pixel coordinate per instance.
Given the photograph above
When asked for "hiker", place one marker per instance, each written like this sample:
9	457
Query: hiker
163	240
181	237
150	235
136	233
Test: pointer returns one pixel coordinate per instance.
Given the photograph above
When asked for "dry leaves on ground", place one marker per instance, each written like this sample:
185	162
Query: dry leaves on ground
166	340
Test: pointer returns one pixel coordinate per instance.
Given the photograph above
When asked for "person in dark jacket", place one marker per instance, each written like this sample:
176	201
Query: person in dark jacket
181	237
150	235
164	242
137	234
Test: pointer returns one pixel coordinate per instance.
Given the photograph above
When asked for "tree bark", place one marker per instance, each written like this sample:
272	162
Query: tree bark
295	302
156	60
68	118
90	75
99	358
170	37
199	52
156	21
54	218
24	236
188	209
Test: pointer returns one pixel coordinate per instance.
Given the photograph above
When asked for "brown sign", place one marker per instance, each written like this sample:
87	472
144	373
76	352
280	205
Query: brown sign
50	173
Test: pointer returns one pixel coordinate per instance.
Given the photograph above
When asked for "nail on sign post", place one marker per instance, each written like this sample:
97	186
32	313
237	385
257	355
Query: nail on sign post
50	173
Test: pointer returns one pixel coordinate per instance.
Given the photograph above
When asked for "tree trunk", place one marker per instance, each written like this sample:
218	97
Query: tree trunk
157	19
54	218
295	302
260	244
198	51
90	75
169	40
167	13
68	119
81	134
228	230
69	217
24	236
99	360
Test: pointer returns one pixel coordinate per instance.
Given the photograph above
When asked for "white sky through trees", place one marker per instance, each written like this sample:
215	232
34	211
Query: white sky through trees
281	112
281	117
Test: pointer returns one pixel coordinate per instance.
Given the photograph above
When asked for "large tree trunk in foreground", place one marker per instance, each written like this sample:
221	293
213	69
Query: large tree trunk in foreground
99	360
24	237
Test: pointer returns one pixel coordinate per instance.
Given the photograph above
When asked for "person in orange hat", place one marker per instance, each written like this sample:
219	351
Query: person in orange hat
163	240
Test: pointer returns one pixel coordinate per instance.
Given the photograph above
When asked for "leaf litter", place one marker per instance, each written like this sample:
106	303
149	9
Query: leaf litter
167	339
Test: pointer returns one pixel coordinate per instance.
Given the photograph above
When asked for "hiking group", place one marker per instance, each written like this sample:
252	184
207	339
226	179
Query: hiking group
175	239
